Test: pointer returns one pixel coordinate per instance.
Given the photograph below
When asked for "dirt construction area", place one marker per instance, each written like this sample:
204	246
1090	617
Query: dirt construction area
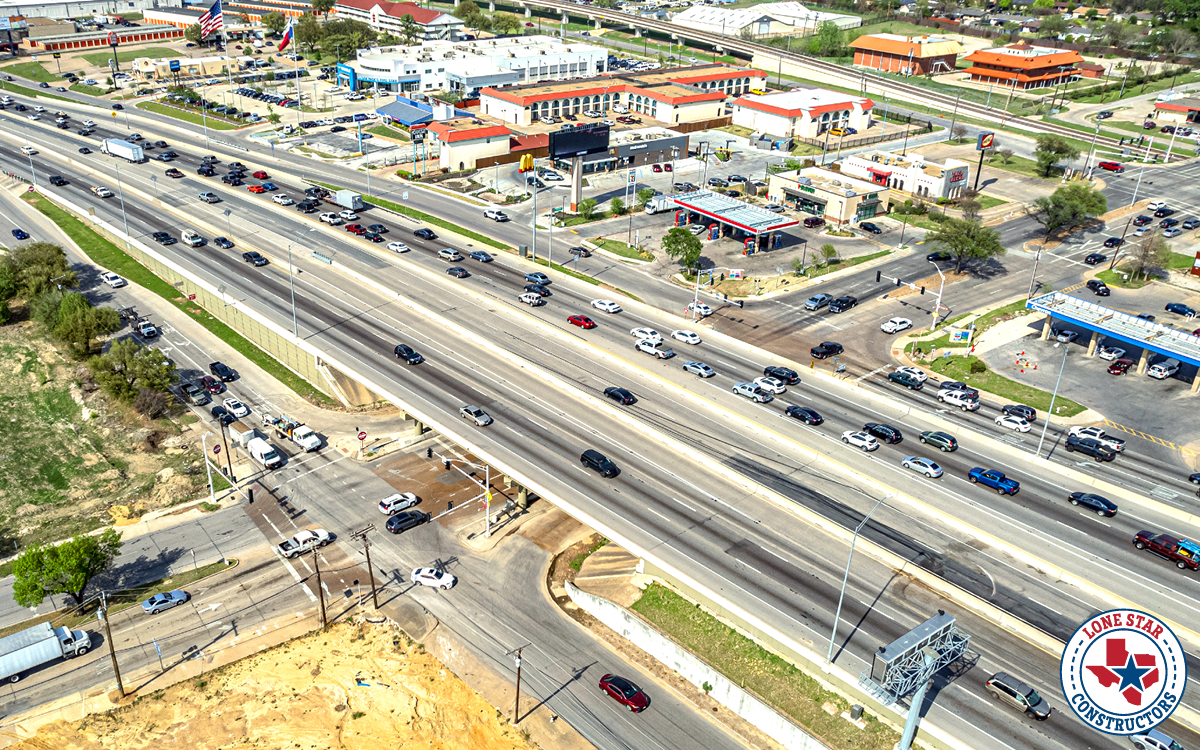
358	686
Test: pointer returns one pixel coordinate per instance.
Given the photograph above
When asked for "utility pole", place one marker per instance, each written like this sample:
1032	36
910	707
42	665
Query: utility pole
361	535
228	458
112	653
517	658
320	590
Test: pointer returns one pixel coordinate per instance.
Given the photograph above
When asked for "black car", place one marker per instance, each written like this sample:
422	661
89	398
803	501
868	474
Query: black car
163	238
372	236
1191	223
160	144
582	252
842	304
457	272
1168	223
337	129
58	180
538	289
785	374
599	463
1094	258
222	415
222	242
409	519
867	226
717	182
884	432
408	354
1164	211
118	106
1090	447
481	256
826	349
941	440
253	257
1098	287
620	395
1028	413
1102	505
206	171
804	414
85	150
1142	221
425	234
233	180
222	371
379	228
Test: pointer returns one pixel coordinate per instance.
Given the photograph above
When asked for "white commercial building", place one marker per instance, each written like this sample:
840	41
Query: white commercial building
72	9
767	19
806	113
910	174
470	65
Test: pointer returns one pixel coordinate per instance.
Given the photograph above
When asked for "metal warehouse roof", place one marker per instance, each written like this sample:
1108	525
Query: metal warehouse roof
744	216
1130	329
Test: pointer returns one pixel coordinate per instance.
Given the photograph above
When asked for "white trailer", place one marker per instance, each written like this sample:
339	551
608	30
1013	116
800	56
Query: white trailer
25	650
130	152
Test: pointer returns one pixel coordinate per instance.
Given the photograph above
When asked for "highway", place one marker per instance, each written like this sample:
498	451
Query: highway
537	425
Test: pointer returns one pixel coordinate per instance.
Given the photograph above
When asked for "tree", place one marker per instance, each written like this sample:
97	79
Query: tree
958	131
797	265
1150	256
746	33
643	196
128	366
1053	148
1005	154
682	246
1043	4
309	32
610	4
347	34
322	6
468	12
965	239
1052	26
1066	208
587	206
1179	41
409	29
828	40
828	252
618	207
150	402
8	290
76	322
275	23
506	23
192	33
39	267
1118	33
65	568
388	39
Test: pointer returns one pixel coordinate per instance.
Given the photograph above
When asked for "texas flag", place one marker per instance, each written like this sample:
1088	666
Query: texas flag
287	37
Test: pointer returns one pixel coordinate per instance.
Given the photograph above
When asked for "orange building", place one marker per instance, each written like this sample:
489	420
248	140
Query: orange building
1023	67
906	55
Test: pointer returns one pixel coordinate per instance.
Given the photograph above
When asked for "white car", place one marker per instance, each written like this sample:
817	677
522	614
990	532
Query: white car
397	247
1155	205
89	124
235	407
113	280
606	305
34	117
687	337
648	334
395	503
1012	423
771	385
348	215
1067	337
649	346
28	150
480	417
700	308
40	108
915	372
1111	352
860	440
549	176
433	577
752	392
330	218
895	325
699	369
282	200
922	466
449	254
328	121
101	191
1099	435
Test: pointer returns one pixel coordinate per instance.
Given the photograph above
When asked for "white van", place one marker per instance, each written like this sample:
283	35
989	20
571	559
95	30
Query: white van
533	299
264	453
1164	369
191	239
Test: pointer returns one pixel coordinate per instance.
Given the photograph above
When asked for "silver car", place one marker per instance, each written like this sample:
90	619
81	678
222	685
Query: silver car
752	392
922	466
699	369
161	602
476	415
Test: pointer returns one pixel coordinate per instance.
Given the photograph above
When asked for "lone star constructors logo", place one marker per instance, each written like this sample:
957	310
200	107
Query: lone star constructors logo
1123	672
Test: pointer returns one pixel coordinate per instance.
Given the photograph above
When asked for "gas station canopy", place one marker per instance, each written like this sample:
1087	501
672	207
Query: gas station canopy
750	219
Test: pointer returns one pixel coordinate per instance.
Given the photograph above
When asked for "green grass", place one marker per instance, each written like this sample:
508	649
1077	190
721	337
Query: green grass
32	70
988	201
387	131
765	674
1021	165
428	218
214	122
121	600
107	255
12	88
888	27
623	249
100	59
837	264
597	215
1181	261
1131	90
958	368
983	322
576	562
1112	278
83	88
1087	130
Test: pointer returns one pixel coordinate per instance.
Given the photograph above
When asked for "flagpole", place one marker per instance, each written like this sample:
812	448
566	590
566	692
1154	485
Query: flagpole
299	102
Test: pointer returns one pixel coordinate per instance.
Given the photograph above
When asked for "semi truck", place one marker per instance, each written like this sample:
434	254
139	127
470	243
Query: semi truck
31	647
293	430
130	152
660	203
348	199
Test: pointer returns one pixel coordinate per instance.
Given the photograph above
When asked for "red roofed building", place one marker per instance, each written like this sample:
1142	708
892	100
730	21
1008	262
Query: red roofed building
806	113
464	140
1182	109
383	15
906	55
1023	67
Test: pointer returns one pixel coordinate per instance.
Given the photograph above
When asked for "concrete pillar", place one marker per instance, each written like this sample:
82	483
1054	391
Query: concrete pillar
1091	352
418	428
492	7
508	481
1046	326
637	33
1143	361
528	13
1196	382
565	19
598	24
522	498
576	183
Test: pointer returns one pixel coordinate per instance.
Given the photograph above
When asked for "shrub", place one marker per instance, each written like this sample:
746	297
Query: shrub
978	367
150	403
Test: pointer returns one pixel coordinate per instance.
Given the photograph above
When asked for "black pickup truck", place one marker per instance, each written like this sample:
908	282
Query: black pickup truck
222	371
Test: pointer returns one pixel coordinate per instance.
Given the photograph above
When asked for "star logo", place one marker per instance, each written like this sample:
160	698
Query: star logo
1135	672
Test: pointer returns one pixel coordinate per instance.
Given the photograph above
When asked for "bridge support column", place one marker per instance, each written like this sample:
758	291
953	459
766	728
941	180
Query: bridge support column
528	13
1196	382
598	24
1091	352
492	7
637	33
523	498
418	427
1046	326
565	19
1144	360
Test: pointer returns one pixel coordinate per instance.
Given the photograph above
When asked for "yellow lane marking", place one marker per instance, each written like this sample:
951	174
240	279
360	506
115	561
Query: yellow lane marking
1186	452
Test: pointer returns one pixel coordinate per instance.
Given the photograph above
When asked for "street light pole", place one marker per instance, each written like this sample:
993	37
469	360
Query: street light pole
121	194
846	576
1046	424
938	305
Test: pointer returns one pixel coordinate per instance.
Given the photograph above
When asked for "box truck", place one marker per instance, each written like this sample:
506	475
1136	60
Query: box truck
659	203
130	152
21	652
348	199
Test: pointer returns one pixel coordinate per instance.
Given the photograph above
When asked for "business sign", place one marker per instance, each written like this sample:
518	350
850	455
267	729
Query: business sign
5	24
986	141
174	64
572	142
1124	671
418	135
958	175
960	336
112	39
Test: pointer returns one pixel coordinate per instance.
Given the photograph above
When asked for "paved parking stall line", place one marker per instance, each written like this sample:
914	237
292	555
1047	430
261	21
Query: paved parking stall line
1185	452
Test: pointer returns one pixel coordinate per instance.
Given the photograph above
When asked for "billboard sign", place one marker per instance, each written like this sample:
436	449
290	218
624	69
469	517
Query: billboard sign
572	142
5	24
174	66
986	141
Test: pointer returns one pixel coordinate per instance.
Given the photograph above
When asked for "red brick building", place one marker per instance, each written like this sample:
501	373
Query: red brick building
1023	66
906	55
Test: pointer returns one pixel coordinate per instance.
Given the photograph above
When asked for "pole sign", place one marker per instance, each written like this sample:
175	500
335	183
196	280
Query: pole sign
362	436
112	39
216	449
5	23
986	141
174	65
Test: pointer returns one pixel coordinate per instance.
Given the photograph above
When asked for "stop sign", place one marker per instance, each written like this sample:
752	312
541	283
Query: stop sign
216	449
362	436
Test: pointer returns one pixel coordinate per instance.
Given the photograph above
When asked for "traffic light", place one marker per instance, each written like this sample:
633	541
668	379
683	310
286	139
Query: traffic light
447	464
878	276
922	290
429	453
899	282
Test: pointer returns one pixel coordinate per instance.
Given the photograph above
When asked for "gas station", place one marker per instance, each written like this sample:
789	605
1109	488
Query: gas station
757	228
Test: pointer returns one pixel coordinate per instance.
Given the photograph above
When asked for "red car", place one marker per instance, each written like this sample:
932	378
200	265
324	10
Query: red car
257	189
1185	554
211	384
260	175
656	167
666	167
356	229
1120	366
582	321
625	692
1148	125
1111	166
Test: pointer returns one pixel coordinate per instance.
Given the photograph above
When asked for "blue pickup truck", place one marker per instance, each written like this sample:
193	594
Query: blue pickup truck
994	479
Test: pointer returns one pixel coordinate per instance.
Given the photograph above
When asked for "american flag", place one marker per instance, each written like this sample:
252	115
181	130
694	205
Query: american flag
212	20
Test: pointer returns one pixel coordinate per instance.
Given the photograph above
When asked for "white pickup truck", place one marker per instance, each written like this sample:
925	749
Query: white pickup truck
305	541
1115	443
965	400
